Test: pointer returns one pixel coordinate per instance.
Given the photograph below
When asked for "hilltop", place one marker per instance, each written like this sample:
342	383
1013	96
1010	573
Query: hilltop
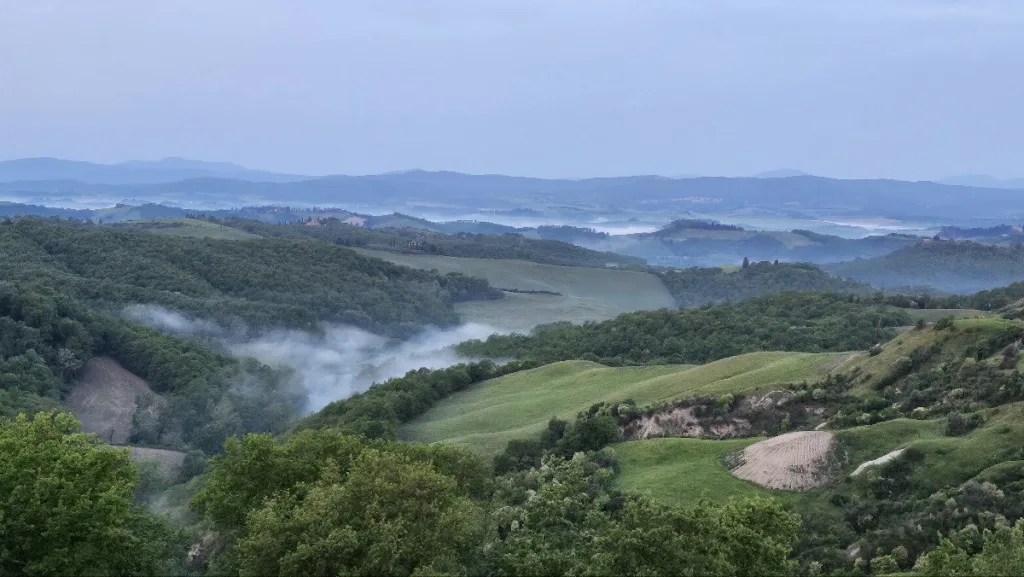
945	265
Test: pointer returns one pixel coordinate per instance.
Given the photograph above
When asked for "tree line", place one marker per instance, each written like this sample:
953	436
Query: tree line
810	322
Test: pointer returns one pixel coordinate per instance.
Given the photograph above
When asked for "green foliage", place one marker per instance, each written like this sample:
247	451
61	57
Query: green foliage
573	523
416	240
66	505
810	322
257	284
697	286
322	502
947	265
207	397
1002	554
389	515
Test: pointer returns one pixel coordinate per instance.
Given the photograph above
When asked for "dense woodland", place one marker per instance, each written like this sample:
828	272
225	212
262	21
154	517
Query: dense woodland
505	246
946	265
810	322
202	397
250	285
697	286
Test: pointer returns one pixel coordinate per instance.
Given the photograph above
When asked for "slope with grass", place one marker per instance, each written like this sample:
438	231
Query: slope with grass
874	370
585	293
517	406
191	227
681	471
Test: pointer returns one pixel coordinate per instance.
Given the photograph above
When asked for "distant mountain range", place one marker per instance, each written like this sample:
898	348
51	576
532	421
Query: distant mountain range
132	172
193	183
983	181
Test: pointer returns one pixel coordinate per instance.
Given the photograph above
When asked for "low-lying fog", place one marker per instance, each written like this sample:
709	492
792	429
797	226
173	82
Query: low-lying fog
342	361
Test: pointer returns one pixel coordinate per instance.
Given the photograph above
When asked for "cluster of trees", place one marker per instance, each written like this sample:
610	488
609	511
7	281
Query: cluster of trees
319	502
566	233
67	508
986	300
945	265
684	224
696	286
416	240
259	283
810	322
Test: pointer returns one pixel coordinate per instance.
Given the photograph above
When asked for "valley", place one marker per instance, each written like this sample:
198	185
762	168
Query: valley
222	349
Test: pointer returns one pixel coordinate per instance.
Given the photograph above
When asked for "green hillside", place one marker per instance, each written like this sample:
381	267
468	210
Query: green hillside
681	471
697	286
946	265
586	293
188	227
260	282
488	415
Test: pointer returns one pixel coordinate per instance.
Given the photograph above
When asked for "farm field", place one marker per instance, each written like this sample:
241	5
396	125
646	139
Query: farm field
586	294
488	415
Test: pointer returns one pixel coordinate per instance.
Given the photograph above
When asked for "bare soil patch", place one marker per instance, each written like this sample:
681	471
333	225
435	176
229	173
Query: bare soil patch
683	422
104	399
879	461
794	462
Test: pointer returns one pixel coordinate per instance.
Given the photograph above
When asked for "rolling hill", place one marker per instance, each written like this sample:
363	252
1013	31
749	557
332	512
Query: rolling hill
488	415
946	265
584	293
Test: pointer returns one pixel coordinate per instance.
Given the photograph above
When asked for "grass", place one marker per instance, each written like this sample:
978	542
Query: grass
954	344
193	228
932	315
949	461
586	293
872	441
488	415
680	471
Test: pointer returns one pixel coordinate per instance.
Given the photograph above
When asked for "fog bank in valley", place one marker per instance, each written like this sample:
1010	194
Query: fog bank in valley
347	360
336	364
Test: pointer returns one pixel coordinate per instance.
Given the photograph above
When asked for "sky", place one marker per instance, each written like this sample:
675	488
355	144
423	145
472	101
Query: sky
909	89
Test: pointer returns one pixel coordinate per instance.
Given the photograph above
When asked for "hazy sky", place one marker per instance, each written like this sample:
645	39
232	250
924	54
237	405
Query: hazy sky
848	88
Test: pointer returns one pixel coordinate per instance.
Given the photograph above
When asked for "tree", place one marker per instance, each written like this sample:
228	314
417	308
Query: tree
389	516
66	505
746	262
573	523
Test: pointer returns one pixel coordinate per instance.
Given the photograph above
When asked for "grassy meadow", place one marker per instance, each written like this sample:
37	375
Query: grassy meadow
586	294
488	415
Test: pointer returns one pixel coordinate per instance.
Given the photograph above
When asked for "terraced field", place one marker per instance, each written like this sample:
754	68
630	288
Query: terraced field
486	416
586	294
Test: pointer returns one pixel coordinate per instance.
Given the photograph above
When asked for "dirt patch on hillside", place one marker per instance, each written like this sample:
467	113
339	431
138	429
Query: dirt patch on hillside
875	462
793	462
683	422
169	461
104	399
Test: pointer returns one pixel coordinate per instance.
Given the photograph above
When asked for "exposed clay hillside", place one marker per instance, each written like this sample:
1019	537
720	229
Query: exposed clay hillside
795	461
104	399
